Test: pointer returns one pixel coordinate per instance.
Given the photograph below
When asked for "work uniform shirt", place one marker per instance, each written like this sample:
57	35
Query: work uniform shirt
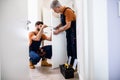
69	14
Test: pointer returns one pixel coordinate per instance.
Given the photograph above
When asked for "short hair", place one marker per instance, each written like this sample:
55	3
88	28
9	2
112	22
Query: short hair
38	23
54	4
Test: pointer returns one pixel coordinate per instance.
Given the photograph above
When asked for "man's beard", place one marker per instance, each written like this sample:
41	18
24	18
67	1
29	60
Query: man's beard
38	29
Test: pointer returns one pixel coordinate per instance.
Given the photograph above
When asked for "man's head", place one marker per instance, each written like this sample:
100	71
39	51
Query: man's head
38	25
55	5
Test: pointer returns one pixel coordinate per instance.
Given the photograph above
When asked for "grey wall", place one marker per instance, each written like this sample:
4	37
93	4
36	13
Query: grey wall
114	40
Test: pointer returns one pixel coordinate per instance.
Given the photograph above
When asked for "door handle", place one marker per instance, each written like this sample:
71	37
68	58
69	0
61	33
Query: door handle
28	22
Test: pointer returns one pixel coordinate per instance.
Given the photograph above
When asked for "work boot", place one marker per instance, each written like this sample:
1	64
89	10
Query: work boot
31	65
45	63
75	68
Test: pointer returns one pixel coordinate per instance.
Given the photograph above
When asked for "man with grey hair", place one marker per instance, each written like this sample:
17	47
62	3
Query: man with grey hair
68	24
55	3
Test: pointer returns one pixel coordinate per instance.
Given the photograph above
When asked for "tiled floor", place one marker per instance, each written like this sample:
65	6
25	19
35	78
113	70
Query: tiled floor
47	73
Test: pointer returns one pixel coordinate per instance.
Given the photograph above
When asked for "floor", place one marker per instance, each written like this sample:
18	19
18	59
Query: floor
47	73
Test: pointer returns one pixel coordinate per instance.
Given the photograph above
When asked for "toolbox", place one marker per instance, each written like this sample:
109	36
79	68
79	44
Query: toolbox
67	72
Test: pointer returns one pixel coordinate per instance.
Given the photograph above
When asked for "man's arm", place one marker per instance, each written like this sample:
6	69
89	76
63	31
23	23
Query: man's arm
32	36
58	26
44	37
61	29
38	36
50	38
69	16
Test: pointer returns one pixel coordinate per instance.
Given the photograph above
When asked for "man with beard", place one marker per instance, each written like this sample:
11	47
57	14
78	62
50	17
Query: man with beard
35	51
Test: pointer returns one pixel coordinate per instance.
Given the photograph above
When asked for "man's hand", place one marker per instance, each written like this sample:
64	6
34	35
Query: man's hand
61	29
56	28
41	52
44	26
56	32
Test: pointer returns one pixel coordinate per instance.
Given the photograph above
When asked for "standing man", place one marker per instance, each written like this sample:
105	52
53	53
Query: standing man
68	24
35	52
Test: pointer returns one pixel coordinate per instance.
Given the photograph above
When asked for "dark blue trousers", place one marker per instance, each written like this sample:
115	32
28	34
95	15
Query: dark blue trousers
35	57
71	42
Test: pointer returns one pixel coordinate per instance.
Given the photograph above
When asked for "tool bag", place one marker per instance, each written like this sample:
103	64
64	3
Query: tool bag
67	70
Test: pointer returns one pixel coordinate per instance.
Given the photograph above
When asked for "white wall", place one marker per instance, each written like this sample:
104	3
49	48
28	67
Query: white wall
114	39
80	43
39	9
92	39
100	38
0	67
33	13
68	3
13	41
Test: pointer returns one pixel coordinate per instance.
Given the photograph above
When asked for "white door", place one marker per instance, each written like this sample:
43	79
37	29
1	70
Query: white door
32	14
13	41
59	53
59	50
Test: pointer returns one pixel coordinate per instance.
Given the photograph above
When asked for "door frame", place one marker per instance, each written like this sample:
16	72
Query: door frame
92	39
